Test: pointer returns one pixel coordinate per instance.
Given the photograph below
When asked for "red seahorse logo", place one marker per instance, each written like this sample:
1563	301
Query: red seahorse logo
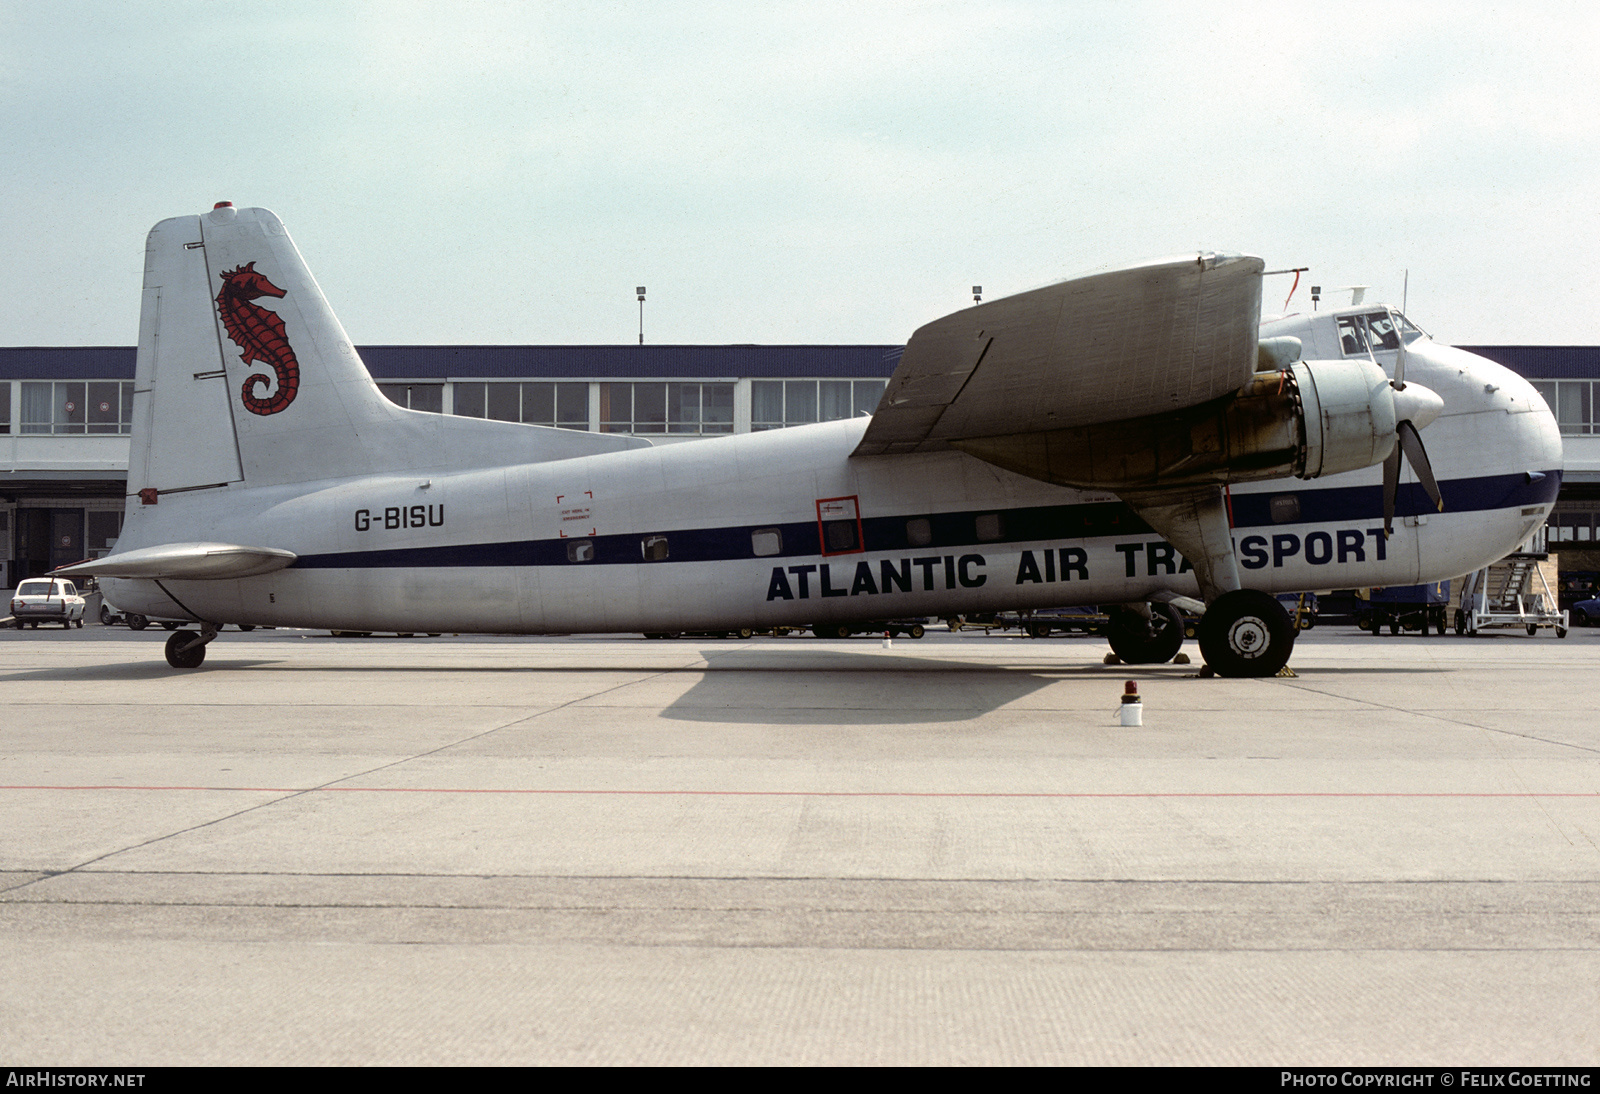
260	334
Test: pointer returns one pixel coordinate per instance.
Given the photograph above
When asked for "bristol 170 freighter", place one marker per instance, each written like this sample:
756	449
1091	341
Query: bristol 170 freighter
1129	438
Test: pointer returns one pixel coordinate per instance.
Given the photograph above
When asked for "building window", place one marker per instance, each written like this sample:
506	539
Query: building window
1572	522
775	404
429	397
77	406
564	404
5	406
666	408
1573	404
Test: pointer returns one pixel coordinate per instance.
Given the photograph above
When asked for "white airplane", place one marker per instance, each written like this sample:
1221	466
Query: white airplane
1128	438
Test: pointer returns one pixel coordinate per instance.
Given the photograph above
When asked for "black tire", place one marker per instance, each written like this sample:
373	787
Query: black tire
1136	641
1246	633
246	626
171	625
1461	622
182	655
1533	629
916	630
1561	632
137	622
830	630
107	616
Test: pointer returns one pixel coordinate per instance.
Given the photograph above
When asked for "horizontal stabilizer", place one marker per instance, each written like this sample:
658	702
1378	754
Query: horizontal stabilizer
1145	340
186	561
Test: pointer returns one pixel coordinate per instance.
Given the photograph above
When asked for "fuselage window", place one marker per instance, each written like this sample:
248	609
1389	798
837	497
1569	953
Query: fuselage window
919	532
988	527
580	550
766	541
654	548
840	535
1285	508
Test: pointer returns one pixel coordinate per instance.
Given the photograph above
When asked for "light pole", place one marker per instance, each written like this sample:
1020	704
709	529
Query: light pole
640	291
977	294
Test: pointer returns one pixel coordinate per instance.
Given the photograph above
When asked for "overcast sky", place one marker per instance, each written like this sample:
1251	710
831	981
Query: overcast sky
484	172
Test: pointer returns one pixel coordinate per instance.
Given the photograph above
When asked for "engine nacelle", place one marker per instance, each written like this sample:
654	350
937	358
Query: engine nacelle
1309	419
1347	416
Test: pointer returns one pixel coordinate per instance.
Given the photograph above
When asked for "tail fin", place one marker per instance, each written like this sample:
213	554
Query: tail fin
246	377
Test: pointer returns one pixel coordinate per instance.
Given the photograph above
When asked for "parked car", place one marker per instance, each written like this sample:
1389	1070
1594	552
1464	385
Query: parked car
46	600
1586	613
110	616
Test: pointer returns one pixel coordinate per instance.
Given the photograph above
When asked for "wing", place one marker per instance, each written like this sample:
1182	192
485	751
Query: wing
196	561
1155	337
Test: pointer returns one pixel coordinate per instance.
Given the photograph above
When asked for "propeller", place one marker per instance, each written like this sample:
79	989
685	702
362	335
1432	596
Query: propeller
1414	408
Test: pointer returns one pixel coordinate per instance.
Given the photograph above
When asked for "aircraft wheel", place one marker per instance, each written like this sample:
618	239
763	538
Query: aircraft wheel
1136	642
1246	633
180	654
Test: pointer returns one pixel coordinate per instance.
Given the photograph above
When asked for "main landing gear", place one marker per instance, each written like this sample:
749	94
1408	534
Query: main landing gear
1246	633
1137	640
186	649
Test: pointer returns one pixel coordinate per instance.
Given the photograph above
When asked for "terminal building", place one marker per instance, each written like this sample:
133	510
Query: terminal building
65	415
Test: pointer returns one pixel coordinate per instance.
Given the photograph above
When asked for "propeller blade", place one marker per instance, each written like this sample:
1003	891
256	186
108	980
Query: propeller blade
1417	456
1400	355
1391	483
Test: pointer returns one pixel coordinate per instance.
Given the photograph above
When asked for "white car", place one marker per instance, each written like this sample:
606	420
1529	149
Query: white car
46	600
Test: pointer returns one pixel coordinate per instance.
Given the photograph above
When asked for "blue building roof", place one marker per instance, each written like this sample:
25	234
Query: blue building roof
650	362
519	362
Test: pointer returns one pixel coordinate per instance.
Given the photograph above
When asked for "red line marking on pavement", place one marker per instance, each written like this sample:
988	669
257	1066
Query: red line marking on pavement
834	793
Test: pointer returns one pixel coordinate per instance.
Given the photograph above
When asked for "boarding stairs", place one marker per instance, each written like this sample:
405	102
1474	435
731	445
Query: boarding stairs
1514	592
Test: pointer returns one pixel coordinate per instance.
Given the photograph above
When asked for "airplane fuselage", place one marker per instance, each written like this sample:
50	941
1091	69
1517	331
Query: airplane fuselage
786	528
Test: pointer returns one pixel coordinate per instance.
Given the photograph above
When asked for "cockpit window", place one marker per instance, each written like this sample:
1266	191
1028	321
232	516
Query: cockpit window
1382	330
1353	335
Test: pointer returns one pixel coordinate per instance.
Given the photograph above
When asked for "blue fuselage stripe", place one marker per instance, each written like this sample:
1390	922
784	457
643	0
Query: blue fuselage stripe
800	539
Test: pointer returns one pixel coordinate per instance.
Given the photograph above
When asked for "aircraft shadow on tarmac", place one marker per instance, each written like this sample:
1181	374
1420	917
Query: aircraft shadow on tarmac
822	687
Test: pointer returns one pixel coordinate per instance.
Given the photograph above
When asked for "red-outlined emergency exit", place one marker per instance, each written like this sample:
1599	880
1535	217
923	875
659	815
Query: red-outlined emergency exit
839	526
